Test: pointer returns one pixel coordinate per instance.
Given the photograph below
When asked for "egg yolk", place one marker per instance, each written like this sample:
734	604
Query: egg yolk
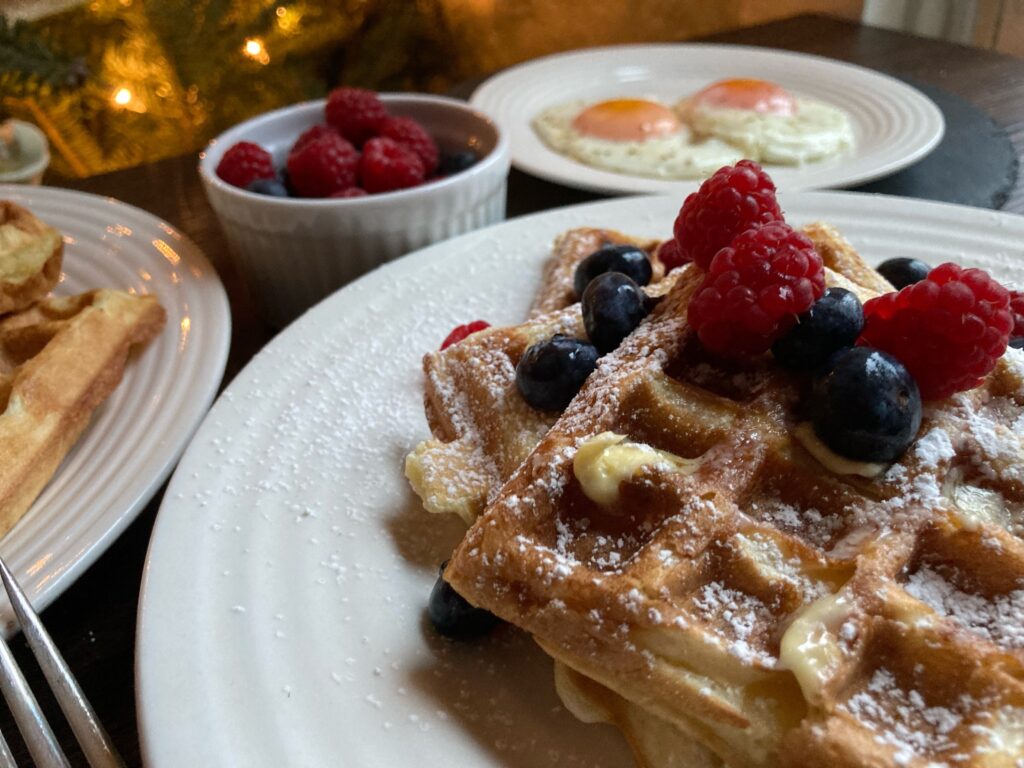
626	120
755	95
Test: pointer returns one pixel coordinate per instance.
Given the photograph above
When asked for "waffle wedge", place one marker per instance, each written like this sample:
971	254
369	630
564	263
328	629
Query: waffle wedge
30	257
775	608
59	359
482	428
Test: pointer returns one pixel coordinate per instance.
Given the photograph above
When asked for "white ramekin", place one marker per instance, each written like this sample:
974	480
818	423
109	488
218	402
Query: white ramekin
295	251
35	155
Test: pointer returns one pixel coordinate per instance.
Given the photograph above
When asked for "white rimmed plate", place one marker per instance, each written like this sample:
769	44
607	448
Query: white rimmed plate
281	620
134	438
894	124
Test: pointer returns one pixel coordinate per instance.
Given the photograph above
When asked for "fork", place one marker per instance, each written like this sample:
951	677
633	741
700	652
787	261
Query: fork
39	738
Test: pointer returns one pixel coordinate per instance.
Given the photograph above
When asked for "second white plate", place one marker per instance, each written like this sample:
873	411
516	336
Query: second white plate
895	125
282	615
137	434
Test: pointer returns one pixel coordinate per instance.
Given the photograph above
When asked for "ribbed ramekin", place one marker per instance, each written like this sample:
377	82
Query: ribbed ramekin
295	251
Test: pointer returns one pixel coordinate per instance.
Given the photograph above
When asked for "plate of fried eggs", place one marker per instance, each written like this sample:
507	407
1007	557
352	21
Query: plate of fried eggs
659	118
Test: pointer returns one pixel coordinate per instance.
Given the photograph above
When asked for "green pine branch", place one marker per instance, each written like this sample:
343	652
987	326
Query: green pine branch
27	64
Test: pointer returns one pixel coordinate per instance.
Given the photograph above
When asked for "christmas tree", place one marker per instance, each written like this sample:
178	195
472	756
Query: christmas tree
167	75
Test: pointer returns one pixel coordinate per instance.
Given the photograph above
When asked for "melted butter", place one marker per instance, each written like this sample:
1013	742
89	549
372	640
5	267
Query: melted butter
809	648
831	460
604	461
1004	732
979	506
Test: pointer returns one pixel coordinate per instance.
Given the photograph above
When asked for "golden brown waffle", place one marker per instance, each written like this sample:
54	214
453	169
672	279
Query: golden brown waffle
59	360
30	257
482	431
482	428
778	612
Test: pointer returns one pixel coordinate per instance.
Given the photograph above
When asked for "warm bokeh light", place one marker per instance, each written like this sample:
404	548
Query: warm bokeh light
287	20
255	50
122	96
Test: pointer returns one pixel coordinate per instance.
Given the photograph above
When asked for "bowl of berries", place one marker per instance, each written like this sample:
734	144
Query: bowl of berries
313	195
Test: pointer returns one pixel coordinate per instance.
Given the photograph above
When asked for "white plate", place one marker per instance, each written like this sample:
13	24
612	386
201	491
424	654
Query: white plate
282	611
130	447
894	124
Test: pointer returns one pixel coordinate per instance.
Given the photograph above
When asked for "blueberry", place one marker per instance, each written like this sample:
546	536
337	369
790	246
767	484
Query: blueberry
866	405
551	372
833	322
627	259
613	305
1017	343
903	272
456	162
452	616
270	187
287	181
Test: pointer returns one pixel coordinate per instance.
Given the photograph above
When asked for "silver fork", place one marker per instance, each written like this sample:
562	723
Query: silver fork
39	738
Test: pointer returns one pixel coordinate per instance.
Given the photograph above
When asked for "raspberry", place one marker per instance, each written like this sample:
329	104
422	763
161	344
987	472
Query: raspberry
355	113
670	256
754	290
312	134
735	199
1017	310
408	132
323	166
350	192
948	330
387	165
244	163
462	331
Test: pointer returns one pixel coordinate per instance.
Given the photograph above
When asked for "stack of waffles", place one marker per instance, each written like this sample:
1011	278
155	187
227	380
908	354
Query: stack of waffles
713	580
60	357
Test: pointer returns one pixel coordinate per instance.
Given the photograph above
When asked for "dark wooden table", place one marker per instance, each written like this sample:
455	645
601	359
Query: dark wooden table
94	621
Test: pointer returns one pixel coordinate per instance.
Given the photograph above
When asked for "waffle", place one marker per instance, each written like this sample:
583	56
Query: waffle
482	428
30	257
59	360
777	609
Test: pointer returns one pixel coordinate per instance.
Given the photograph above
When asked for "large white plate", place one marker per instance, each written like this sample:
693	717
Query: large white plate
894	124
130	447
282	607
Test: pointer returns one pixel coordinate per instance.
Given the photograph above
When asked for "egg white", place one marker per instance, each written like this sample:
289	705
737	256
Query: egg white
676	156
817	131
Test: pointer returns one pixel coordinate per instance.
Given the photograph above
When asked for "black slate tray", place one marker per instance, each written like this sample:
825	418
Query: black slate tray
973	165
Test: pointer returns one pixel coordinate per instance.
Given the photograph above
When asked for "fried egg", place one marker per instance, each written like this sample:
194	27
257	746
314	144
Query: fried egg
768	123
632	136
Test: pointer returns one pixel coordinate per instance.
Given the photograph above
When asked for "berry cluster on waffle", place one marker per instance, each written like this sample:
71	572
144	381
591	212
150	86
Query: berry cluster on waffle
747	540
60	357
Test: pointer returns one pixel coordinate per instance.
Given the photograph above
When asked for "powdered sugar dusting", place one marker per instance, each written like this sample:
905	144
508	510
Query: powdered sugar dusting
934	448
1013	359
736	617
999	619
903	719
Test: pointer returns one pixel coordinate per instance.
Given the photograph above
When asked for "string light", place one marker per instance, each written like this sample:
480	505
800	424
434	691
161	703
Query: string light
255	50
